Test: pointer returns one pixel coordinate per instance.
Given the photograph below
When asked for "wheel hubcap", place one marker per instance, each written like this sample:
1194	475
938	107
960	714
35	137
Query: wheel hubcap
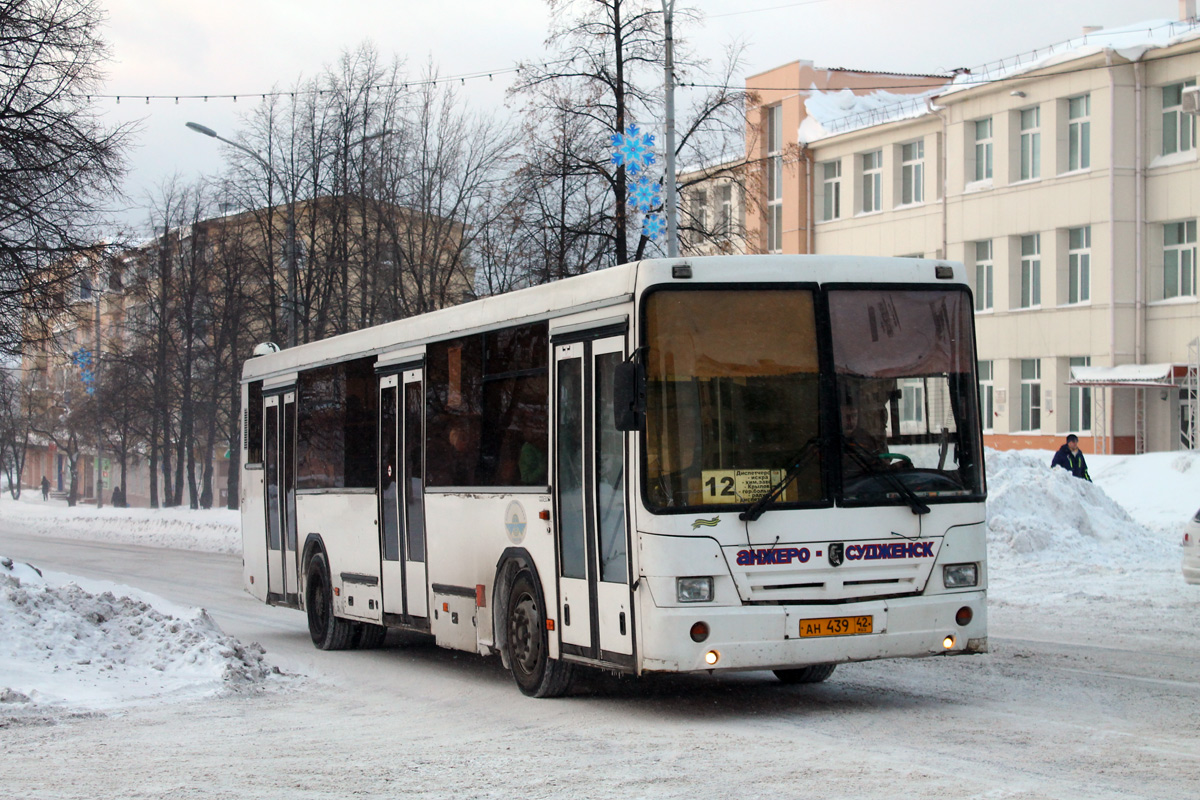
522	636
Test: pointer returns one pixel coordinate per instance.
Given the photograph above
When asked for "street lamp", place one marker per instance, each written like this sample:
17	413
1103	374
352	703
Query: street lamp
668	7
293	306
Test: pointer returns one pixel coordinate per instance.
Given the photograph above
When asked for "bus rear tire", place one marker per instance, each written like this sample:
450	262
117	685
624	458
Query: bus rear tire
536	674
812	674
328	632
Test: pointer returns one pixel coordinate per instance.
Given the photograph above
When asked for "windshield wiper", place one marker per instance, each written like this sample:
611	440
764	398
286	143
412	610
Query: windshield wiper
871	468
798	463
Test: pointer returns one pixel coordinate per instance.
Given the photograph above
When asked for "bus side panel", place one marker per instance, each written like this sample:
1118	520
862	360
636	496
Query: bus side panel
347	525
254	533
467	533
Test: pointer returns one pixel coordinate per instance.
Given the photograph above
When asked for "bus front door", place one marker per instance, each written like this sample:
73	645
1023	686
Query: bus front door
401	494
279	451
593	541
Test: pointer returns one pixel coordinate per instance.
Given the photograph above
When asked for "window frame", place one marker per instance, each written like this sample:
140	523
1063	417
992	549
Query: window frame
775	179
1031	271
1172	115
1185	248
1079	133
987	393
983	148
912	173
1030	132
1079	266
831	187
985	301
872	181
1031	395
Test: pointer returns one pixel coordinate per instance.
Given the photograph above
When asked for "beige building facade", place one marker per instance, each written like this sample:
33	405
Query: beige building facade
1070	188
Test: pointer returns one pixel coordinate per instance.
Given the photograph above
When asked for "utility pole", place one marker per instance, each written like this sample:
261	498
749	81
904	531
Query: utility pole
669	89
96	399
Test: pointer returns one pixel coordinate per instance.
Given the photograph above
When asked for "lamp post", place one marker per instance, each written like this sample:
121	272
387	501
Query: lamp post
292	305
669	90
99	424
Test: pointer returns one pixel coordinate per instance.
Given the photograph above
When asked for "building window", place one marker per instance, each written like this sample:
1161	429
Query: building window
1179	129
912	173
1031	394
1080	400
912	403
1031	143
1079	264
699	216
986	395
725	210
1079	132
983	149
775	179
831	188
872	180
983	276
1031	271
1179	259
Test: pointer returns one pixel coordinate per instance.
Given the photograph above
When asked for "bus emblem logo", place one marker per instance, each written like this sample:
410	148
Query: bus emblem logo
514	522
705	523
837	554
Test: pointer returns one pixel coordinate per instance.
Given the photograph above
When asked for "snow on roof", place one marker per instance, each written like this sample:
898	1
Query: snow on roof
1124	375
832	113
1131	42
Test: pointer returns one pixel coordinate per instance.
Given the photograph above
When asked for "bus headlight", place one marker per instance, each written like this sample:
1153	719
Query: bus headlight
694	590
960	576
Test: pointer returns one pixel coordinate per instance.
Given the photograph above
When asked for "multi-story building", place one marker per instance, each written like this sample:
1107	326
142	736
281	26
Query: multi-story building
1067	181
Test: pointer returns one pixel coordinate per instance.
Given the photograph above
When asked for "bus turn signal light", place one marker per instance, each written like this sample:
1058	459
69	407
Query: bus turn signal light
699	631
964	616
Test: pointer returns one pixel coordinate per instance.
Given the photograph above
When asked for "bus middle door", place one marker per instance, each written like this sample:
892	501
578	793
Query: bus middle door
593	542
279	451
401	493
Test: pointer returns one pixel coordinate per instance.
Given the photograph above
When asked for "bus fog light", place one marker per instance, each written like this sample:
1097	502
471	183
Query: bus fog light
712	657
694	590
959	576
699	632
964	616
948	642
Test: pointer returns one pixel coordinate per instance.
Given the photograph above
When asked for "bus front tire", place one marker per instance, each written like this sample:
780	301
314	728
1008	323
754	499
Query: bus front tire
536	674
327	631
812	674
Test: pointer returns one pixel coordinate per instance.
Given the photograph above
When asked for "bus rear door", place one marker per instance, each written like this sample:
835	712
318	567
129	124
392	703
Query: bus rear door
279	452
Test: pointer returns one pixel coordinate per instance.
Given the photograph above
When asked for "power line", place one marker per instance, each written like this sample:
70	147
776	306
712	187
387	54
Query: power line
770	8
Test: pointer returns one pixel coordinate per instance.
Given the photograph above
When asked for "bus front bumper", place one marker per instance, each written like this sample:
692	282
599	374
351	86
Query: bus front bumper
768	637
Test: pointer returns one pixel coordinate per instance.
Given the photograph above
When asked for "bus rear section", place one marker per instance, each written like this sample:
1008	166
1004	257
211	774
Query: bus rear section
735	463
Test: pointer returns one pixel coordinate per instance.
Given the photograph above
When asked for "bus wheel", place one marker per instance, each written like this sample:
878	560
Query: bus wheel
536	674
328	632
814	674
369	636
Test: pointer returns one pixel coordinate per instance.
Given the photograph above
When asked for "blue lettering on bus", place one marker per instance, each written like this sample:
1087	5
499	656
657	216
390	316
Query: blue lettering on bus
784	555
876	552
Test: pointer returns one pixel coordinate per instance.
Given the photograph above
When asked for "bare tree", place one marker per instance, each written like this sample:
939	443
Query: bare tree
59	164
16	418
605	72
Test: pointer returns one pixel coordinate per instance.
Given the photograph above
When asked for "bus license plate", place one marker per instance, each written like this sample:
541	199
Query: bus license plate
836	626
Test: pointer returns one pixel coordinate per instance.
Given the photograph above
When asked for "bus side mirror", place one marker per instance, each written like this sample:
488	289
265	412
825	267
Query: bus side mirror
629	396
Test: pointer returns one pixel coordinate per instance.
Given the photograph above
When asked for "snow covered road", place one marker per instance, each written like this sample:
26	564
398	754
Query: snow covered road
1059	709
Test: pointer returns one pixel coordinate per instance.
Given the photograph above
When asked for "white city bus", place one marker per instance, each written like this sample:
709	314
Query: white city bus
730	463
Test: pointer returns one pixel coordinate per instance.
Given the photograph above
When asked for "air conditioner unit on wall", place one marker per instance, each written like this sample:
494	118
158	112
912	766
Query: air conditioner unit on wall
1191	99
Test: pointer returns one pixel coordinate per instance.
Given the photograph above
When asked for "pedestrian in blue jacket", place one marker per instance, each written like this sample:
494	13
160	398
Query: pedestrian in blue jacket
1070	458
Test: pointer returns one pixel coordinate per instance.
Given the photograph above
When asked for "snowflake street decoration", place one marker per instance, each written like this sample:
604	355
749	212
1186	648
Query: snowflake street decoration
645	195
654	226
83	360
633	150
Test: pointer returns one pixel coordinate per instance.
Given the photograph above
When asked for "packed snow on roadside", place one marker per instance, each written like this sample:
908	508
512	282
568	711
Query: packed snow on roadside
1098	559
67	649
207	531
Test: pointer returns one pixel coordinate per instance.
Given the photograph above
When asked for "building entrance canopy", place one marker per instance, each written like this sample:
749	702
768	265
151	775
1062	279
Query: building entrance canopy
1141	376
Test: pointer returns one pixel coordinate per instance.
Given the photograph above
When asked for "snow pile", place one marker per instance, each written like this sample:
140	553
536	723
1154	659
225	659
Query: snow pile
63	647
1033	510
209	531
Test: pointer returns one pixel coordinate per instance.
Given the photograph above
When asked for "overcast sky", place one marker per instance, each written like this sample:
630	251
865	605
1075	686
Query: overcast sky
244	47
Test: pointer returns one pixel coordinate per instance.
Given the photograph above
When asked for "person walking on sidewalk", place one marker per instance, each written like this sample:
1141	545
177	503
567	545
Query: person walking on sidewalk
1070	458
45	488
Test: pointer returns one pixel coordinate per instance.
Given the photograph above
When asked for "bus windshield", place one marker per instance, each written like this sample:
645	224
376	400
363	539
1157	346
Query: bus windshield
734	397
904	363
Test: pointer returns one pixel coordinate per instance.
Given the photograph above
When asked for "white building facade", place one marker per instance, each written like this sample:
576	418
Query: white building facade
1069	185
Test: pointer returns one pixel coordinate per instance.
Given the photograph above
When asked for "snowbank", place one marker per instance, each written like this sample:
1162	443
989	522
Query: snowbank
64	648
208	531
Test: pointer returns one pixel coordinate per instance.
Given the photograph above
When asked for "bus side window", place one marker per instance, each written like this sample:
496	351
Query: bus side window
252	424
